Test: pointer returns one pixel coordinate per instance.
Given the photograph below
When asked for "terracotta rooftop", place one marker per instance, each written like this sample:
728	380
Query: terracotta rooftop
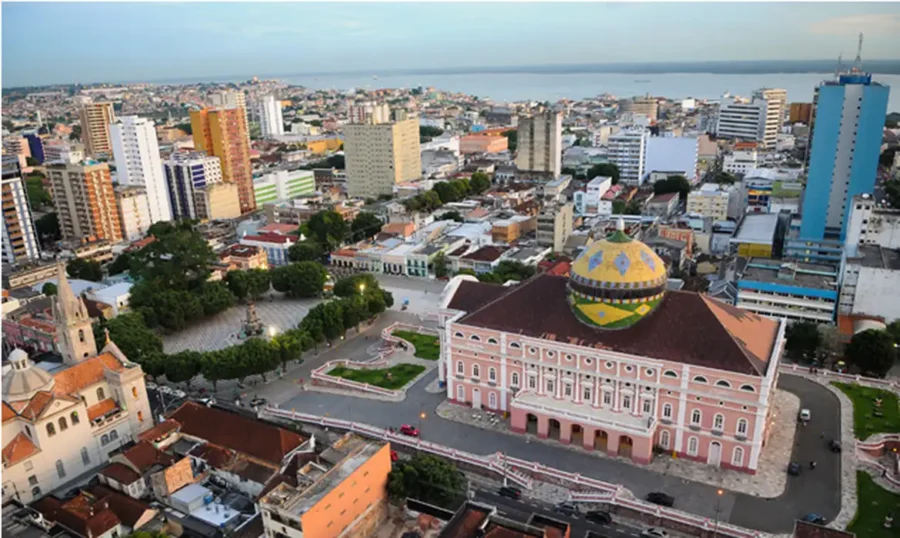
85	373
128	510
278	228
160	431
121	473
470	295
79	514
486	254
271	238
686	327
19	448
8	412
240	251
101	408
255	438
36	405
144	456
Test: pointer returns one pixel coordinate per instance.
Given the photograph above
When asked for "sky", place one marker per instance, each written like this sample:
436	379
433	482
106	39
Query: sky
49	43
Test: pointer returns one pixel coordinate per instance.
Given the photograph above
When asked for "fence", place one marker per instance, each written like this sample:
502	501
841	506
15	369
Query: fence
388	333
888	384
512	469
320	375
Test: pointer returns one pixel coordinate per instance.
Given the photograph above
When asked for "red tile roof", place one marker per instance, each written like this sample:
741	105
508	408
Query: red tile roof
144	456
277	228
160	431
101	408
19	449
486	254
128	510
85	373
471	296
8	412
37	404
270	238
78	514
255	438
686	327
121	473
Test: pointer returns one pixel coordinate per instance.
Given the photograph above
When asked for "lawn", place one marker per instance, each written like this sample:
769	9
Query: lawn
874	502
865	423
427	346
400	375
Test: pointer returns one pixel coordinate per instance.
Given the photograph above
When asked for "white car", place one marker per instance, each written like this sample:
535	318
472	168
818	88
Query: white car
805	415
654	532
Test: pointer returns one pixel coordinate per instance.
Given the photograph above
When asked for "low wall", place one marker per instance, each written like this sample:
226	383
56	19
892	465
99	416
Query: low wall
886	384
321	378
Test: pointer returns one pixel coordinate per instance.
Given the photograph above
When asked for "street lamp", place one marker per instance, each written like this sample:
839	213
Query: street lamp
362	287
719	493
421	418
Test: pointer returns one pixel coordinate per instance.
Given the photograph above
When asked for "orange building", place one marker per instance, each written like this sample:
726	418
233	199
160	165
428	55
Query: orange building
508	230
342	494
324	145
800	113
85	202
222	133
244	257
478	143
679	234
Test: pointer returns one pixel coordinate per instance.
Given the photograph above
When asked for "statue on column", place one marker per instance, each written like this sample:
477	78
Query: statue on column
252	325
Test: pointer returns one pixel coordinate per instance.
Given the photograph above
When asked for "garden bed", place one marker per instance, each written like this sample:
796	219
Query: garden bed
865	421
400	375
427	346
873	504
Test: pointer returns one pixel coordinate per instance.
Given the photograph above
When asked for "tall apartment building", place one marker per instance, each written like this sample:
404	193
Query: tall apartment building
63	152
628	151
539	145
138	164
271	122
776	109
134	211
648	106
19	239
554	225
369	113
284	185
232	99
85	202
186	173
222	133
378	156
759	118
95	121
217	201
849	120
714	201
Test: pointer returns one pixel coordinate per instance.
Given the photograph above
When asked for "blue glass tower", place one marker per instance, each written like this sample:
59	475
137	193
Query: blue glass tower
846	142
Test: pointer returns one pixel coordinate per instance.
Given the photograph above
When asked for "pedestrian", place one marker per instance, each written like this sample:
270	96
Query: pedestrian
883	473
812	464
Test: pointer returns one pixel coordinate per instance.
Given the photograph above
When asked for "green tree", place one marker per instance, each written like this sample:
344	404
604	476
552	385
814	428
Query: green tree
289	345
131	334
350	286
119	265
803	340
328	229
180	258
426	478
872	351
441	267
219	365
893	329
47	228
365	225
37	194
183	366
724	178
49	289
31	161
332	319
148	534
678	184
427	132
453	215
605	170
215	297
304	279
186	127
85	269
448	192
261	356
512	137
305	251
237	282
76	132
479	183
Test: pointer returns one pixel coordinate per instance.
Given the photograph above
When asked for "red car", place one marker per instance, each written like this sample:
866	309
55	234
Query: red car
394	456
406	429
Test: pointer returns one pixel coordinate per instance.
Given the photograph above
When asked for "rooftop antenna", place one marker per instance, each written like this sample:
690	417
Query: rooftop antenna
858	61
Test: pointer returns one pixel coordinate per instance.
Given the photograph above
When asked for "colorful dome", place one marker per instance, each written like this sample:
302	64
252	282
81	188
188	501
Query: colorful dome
616	281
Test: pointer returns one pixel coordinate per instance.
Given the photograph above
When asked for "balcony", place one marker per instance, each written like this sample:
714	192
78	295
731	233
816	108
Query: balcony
585	414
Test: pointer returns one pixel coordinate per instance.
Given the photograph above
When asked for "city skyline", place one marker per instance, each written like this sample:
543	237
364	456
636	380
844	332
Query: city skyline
154	42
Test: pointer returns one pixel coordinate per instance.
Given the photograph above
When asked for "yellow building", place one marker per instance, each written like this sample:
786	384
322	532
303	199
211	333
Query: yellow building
222	133
217	201
324	145
95	120
378	156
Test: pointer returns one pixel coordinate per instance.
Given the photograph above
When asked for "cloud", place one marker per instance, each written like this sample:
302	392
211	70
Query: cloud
874	25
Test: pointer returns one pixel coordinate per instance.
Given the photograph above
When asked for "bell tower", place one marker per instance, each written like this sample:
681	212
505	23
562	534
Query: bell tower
73	324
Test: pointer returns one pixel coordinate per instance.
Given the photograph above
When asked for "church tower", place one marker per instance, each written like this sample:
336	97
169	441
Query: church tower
74	333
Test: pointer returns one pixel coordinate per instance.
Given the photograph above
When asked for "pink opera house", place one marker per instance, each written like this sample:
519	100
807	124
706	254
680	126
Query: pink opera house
611	361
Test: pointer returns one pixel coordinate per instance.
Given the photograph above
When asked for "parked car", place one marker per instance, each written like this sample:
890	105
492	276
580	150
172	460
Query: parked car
566	509
406	429
598	516
654	532
815	518
660	498
394	456
834	445
794	468
510	492
805	415
258	402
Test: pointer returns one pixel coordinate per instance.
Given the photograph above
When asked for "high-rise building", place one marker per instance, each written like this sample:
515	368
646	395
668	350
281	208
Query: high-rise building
800	113
217	201
846	143
378	156
554	225
232	99
19	239
95	121
134	211
284	185
776	108
628	151
85	202
369	113
186	173
758	119
222	133
36	147
648	106
539	145
271	122
136	152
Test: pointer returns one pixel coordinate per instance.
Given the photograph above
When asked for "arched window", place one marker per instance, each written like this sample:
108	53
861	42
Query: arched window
60	470
492	341
459	335
693	445
515	379
719	422
140	416
667	411
664	439
670	373
63	425
514	345
113	435
81	335
460	368
460	393
492	400
748	388
723	383
476	370
475	337
100	394
492	374
134	391
51	429
699	379
104	439
737	457
742	426
74	417
85	457
696	417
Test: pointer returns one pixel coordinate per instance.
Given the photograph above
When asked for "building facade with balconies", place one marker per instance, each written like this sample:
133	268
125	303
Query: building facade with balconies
608	360
788	290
